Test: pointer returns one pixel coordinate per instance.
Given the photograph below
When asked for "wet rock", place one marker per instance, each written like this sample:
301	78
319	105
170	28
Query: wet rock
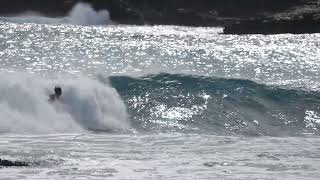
177	12
238	17
306	23
7	163
297	20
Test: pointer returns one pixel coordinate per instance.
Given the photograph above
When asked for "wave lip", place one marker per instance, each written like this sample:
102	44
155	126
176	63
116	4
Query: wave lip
185	103
81	14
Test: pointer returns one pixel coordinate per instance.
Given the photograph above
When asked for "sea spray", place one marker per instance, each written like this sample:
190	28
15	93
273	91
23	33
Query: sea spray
80	14
85	105
84	14
95	106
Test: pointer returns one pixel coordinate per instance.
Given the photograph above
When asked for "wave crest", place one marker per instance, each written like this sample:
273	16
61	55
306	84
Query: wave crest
168	102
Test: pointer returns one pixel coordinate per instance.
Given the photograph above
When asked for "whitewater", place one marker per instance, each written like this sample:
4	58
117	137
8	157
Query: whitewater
155	102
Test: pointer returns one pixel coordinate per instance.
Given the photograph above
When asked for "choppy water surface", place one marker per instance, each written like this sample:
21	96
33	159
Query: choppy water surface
129	49
161	156
158	102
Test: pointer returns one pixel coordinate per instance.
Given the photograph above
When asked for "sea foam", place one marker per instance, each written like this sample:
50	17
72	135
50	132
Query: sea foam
86	104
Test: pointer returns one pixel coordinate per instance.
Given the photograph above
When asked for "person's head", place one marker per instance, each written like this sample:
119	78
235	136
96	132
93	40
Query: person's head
58	91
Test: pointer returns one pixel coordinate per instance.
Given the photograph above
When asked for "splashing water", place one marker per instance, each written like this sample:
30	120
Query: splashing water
81	14
84	105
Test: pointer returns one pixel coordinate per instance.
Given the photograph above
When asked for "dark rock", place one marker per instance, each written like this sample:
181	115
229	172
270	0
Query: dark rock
177	12
52	8
274	27
189	12
7	163
238	16
295	22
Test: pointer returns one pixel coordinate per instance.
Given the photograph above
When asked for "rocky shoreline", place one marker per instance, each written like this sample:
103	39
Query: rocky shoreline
307	24
238	17
301	19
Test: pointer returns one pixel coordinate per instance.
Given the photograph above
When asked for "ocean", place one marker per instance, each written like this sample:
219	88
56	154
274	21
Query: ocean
156	102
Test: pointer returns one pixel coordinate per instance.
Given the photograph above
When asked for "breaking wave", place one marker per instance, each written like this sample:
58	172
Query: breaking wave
86	105
81	14
157	103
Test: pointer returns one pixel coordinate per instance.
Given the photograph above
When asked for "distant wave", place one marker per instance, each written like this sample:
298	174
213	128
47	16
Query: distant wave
86	105
81	14
185	103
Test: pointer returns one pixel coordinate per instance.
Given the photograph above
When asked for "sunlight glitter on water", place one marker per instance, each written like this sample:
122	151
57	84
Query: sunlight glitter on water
141	50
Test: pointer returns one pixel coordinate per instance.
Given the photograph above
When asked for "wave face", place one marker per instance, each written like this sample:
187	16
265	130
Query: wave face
86	104
283	101
81	14
185	103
